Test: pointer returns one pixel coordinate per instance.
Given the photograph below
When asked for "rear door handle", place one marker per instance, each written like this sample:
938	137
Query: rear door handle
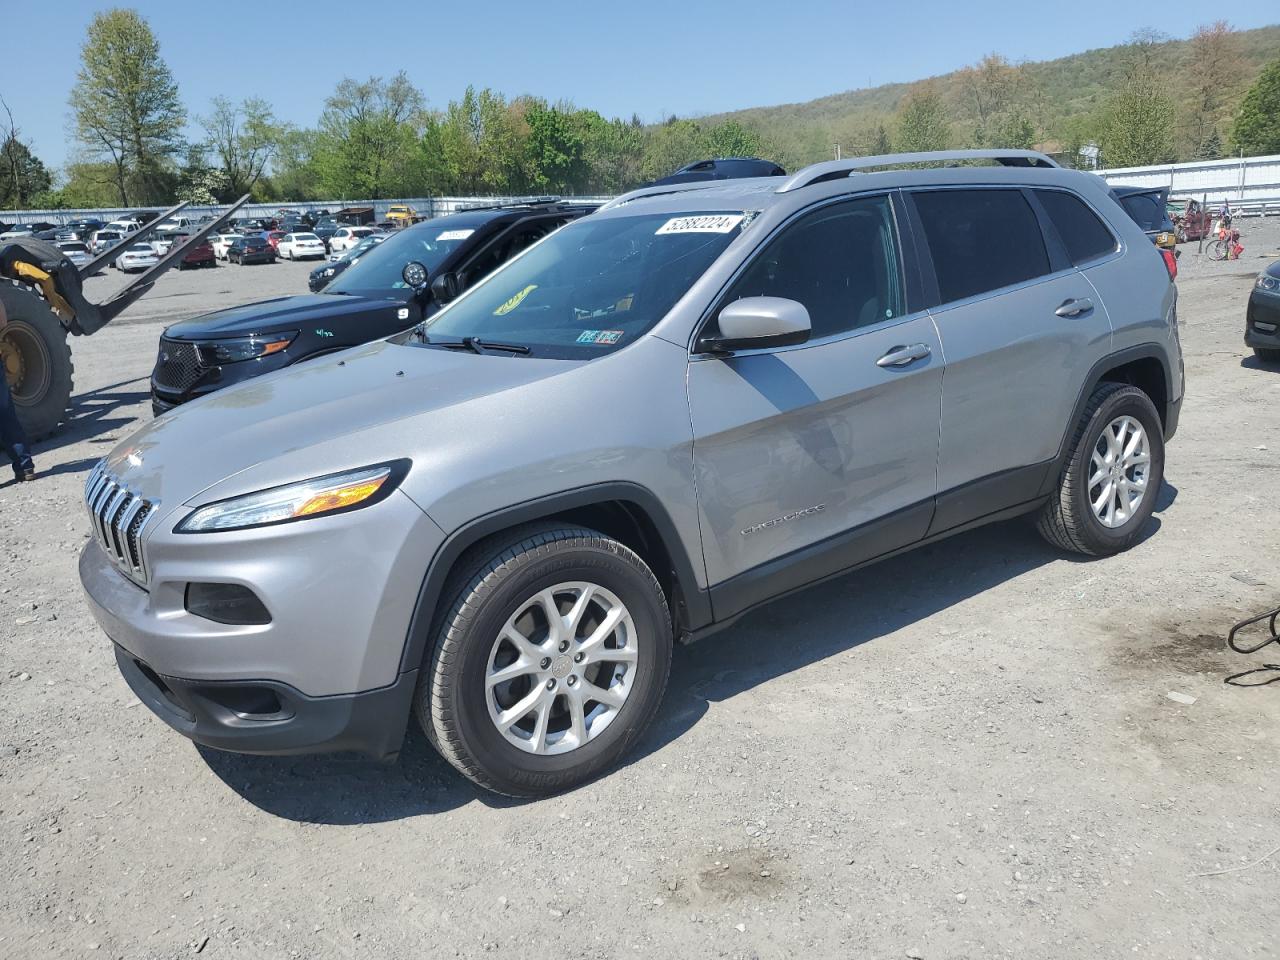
901	356
1073	308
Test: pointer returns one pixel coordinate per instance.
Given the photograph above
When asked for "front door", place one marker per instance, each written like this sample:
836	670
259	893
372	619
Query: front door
797	447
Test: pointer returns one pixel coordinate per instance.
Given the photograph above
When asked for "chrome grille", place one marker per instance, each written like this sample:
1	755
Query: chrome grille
178	365
118	518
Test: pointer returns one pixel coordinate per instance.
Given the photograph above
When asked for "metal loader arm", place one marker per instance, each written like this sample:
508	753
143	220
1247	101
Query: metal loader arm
92	317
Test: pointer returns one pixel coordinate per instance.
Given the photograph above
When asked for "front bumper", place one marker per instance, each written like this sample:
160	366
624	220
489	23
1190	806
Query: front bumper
211	379
265	717
1262	323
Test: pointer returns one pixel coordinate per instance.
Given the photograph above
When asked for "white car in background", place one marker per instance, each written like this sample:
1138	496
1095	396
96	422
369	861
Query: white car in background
346	238
123	226
221	242
138	257
300	246
104	239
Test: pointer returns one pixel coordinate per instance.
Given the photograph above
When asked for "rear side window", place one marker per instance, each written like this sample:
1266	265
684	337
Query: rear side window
981	240
1083	233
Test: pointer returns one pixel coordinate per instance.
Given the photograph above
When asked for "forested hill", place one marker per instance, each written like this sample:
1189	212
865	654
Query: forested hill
1069	97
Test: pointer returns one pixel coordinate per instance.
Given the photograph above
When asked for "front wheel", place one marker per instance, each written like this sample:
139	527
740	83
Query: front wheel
1107	491
1218	250
1267	354
550	662
35	358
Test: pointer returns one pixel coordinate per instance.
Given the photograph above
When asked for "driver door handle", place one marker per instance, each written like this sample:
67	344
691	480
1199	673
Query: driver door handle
901	356
1073	308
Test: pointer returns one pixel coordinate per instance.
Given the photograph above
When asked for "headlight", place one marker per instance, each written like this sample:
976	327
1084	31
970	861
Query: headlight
1267	282
214	352
334	493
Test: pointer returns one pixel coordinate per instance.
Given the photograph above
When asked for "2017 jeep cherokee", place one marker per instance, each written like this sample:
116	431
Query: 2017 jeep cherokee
645	426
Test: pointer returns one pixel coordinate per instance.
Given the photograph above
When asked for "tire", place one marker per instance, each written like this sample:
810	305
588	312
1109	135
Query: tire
35	342
1267	354
1068	520
501	578
1217	250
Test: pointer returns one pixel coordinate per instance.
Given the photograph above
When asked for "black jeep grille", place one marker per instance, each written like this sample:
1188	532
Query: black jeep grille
178	365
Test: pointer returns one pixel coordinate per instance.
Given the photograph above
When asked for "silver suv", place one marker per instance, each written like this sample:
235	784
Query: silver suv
655	420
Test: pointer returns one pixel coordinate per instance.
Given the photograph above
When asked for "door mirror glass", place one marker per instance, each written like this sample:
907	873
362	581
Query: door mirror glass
445	287
755	322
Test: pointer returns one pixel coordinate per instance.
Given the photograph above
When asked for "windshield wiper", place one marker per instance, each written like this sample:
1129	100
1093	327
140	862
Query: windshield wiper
476	345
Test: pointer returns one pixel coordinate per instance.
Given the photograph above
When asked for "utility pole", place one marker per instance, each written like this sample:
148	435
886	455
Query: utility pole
838	151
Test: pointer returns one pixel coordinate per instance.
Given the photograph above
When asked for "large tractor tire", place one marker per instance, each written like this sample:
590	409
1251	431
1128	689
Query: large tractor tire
36	359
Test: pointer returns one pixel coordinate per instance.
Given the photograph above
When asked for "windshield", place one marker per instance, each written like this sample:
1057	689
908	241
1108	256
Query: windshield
380	268
592	286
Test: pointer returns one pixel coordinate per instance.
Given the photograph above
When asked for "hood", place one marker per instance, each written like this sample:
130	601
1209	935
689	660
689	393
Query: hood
286	416
282	313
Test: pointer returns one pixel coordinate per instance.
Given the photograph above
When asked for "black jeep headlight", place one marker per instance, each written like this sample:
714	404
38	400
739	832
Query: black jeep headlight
233	350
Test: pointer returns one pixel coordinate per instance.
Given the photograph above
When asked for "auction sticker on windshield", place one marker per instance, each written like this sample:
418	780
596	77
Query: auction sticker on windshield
713	223
454	235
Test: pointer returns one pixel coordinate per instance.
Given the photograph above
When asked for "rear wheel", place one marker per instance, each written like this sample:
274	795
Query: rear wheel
1218	250
36	359
1107	491
550	662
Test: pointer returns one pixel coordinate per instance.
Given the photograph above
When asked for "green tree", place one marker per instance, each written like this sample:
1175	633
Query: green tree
1138	123
555	149
125	106
670	146
367	132
1257	126
922	120
22	175
243	138
732	139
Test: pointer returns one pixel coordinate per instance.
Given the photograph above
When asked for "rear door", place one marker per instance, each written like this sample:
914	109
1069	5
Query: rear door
795	447
1020	327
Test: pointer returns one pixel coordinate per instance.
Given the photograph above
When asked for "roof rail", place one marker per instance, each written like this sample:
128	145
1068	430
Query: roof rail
836	169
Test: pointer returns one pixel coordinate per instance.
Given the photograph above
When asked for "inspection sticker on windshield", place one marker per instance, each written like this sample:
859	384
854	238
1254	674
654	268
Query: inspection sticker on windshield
454	235
602	337
713	223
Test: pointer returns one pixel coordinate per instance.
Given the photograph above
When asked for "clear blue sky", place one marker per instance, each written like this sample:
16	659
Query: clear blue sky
652	58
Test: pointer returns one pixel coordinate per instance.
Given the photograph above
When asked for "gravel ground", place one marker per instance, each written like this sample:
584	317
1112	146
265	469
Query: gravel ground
969	751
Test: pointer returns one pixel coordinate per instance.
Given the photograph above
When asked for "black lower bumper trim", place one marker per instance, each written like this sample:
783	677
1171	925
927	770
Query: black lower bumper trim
267	717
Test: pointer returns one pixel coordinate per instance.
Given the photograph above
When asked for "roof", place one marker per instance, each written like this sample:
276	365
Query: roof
854	175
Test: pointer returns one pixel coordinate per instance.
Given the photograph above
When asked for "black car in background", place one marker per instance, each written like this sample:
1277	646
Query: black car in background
722	168
370	300
1262	322
324	273
252	249
325	229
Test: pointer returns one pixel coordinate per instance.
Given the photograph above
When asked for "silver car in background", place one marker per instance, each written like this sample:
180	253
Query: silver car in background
644	427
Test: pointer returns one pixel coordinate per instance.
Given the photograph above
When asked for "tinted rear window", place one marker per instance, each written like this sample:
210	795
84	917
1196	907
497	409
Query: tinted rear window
1146	210
1083	233
981	240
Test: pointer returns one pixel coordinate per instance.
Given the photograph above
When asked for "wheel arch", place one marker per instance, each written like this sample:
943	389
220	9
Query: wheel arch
625	511
1145	366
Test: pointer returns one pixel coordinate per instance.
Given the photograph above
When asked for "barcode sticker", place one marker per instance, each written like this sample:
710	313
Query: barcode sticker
713	223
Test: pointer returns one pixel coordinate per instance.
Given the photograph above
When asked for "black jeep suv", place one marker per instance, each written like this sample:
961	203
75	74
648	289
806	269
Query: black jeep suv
368	301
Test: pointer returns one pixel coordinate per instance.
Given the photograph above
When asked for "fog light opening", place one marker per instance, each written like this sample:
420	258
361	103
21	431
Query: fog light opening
229	603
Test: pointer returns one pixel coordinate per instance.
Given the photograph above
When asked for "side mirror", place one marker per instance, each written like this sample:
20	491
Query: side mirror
414	274
755	322
445	287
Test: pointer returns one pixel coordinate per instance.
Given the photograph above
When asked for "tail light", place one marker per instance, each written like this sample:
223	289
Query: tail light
1170	263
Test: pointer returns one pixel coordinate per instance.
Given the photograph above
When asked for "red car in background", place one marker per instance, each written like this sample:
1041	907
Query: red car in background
201	255
274	237
1191	219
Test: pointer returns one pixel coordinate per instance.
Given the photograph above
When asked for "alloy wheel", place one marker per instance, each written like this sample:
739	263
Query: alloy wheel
1118	472
561	668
